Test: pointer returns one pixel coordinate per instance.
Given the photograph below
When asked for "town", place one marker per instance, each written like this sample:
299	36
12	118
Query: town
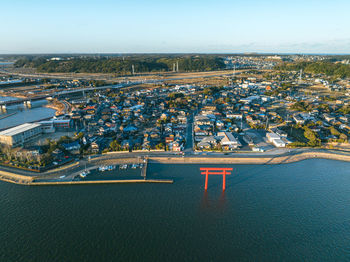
253	106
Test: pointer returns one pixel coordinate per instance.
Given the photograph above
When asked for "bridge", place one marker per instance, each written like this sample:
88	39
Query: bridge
28	100
88	89
25	101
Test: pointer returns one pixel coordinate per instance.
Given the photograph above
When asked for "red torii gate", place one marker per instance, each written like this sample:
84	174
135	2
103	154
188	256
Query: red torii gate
215	171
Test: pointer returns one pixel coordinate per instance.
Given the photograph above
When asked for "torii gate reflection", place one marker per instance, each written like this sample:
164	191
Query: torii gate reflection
215	171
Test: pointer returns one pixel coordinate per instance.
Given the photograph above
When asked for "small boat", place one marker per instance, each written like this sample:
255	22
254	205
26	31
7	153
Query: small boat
134	166
83	174
104	168
109	168
62	176
125	166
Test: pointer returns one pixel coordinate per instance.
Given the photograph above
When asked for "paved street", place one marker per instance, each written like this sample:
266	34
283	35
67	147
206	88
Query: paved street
189	136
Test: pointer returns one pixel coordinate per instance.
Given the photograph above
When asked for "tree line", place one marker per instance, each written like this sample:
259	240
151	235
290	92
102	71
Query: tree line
122	66
327	68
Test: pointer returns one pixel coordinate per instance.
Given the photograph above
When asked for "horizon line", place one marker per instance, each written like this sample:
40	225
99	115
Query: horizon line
175	53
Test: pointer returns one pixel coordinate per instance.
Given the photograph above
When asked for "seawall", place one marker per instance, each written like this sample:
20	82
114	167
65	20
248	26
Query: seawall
129	181
249	160
292	157
15	178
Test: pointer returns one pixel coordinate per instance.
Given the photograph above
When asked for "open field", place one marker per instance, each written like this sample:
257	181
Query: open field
111	78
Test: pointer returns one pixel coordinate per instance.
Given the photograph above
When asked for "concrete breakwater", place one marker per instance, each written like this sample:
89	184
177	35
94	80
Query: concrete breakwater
30	181
15	178
250	160
126	181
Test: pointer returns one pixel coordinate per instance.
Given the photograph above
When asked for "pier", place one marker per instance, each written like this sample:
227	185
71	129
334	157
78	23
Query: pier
91	182
144	168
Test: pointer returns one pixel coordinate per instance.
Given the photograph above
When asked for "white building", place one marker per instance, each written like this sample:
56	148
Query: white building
227	139
249	99
278	143
275	140
19	135
272	136
234	115
47	126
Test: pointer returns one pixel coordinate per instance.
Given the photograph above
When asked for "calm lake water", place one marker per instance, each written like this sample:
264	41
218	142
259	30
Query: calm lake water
291	212
19	114
7	98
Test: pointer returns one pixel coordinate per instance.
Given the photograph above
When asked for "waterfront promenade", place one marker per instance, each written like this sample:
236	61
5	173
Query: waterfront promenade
65	174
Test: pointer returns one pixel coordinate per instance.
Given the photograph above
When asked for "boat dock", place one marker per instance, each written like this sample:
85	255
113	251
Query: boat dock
68	179
144	168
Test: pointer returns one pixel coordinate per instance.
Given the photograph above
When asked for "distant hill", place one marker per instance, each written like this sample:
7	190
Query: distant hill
327	68
123	65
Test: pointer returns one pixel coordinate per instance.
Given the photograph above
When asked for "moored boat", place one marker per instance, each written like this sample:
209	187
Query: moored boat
125	166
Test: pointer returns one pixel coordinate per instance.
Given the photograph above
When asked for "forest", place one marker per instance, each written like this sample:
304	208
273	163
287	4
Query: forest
123	65
327	68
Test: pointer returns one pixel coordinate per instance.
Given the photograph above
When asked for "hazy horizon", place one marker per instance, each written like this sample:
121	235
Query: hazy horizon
171	53
230	27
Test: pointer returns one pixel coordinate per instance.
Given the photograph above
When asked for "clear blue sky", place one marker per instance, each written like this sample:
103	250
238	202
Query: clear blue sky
102	26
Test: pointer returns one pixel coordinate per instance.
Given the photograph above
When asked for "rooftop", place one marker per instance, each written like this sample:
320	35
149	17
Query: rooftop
18	129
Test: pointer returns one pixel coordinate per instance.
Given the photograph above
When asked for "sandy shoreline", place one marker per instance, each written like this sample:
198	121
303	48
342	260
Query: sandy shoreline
56	106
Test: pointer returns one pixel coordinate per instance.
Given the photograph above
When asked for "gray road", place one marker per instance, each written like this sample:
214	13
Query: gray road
189	135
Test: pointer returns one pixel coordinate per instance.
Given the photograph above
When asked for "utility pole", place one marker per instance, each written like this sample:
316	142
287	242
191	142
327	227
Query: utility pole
133	69
300	76
174	67
233	74
177	66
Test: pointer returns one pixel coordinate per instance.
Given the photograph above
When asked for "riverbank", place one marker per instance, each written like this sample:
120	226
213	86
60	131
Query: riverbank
58	106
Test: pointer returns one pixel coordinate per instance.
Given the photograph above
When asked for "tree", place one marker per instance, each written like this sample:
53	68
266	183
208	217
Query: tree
343	137
174	95
312	137
80	135
334	131
160	146
121	66
115	146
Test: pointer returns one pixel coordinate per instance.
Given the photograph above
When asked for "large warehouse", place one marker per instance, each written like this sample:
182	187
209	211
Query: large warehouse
19	135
